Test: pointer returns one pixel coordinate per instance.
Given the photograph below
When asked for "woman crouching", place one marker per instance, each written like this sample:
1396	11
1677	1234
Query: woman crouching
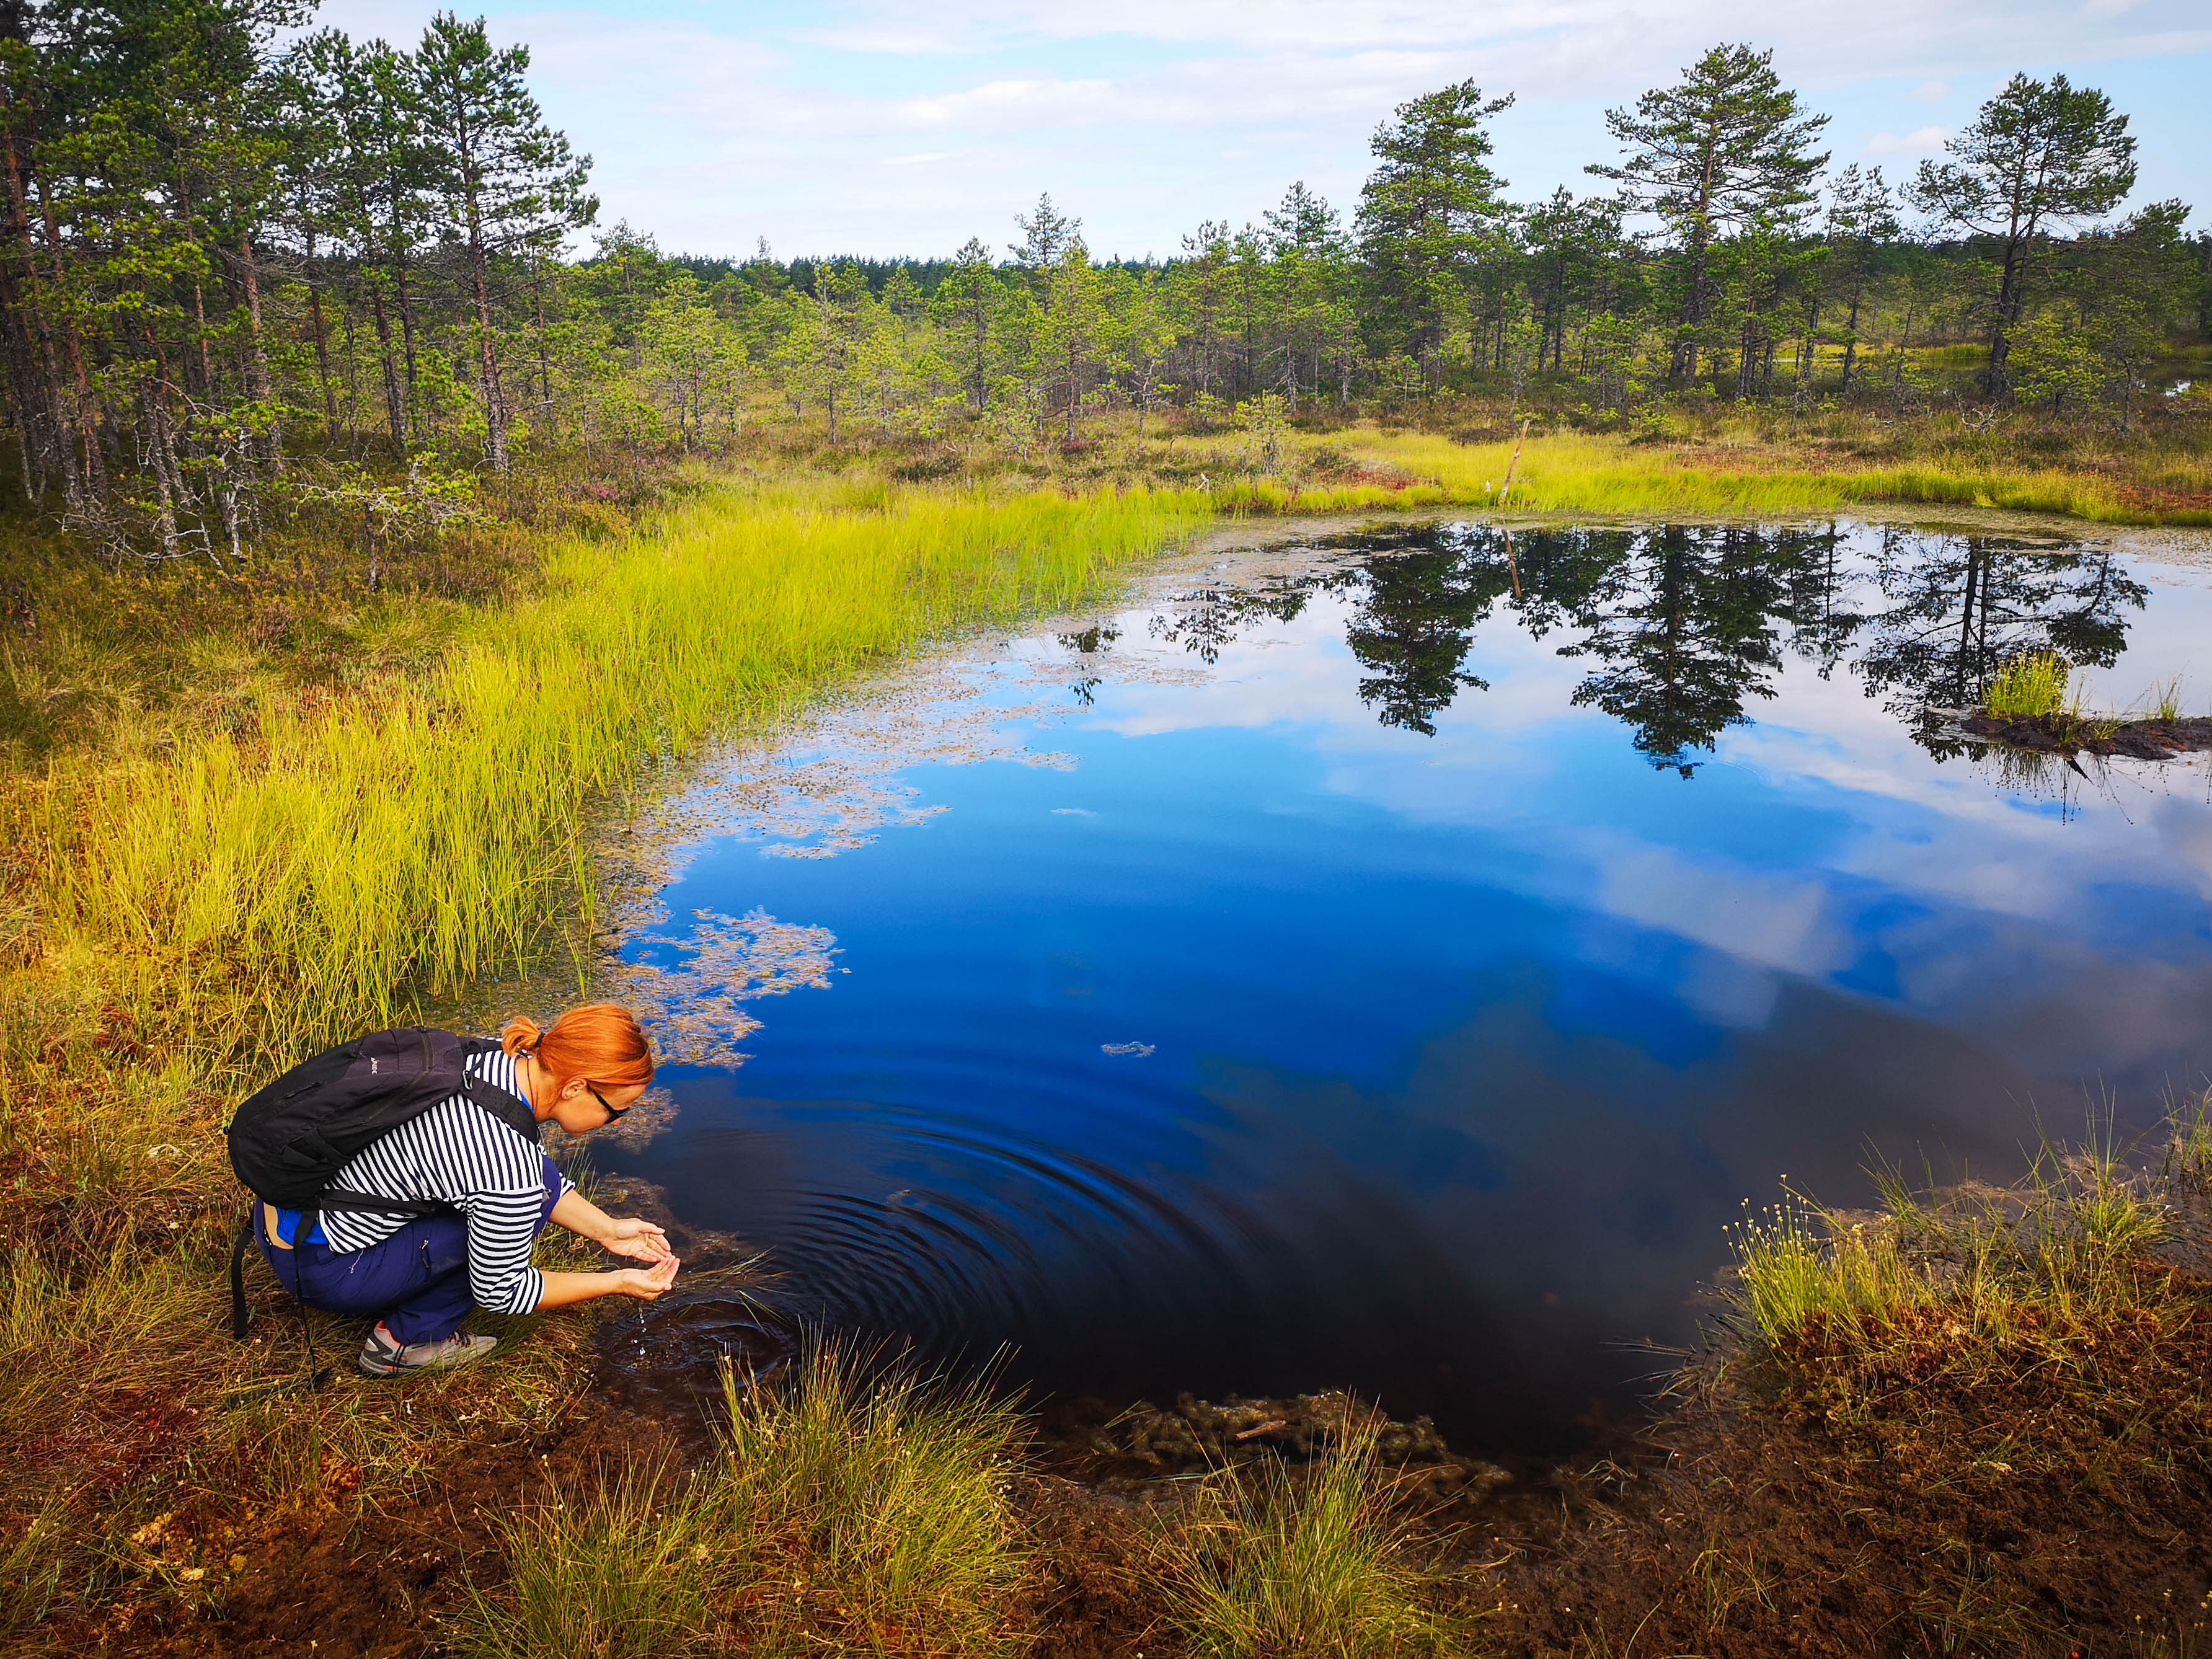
421	1275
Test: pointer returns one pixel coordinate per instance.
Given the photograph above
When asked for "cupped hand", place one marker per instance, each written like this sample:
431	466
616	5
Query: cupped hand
641	1241
646	1283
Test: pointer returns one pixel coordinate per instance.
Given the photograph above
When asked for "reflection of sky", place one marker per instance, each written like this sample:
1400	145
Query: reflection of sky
1824	838
1465	1047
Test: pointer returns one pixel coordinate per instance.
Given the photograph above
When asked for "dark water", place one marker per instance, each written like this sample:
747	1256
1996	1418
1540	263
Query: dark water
1475	958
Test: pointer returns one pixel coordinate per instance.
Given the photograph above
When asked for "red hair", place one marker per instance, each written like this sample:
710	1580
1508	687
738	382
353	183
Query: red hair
600	1043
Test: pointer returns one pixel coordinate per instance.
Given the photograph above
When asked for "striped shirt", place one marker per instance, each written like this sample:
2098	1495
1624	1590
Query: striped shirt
460	1154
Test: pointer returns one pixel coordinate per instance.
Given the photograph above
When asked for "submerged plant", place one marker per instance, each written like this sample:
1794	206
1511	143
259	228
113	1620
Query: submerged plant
1303	1560
2028	686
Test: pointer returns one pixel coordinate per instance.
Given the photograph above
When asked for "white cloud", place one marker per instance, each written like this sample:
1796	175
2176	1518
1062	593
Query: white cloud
711	125
1921	140
1929	92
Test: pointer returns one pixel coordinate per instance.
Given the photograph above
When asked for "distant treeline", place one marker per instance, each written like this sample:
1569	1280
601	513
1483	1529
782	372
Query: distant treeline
248	269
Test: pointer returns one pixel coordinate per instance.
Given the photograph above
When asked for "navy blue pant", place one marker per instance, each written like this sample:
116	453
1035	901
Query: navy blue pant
416	1281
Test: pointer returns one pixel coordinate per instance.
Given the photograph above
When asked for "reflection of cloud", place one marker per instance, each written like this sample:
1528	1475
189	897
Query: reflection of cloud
2184	830
1777	920
1895	823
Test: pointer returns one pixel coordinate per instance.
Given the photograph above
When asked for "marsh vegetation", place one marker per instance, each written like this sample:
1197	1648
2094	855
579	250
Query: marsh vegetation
366	556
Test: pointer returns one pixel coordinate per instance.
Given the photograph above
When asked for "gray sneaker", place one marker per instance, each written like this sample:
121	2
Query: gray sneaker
382	1356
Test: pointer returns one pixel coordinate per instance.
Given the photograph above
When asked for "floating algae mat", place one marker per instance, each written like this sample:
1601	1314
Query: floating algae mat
1334	967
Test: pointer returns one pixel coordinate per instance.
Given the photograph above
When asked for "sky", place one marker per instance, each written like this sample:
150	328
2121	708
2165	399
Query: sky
865	127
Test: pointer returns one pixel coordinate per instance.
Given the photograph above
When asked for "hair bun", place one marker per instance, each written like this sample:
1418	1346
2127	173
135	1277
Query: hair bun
520	1035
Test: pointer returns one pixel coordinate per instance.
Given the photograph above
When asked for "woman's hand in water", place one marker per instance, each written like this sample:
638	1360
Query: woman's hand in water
646	1283
641	1241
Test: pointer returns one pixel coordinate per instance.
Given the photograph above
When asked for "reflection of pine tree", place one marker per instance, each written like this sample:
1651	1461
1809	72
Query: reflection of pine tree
1687	626
1415	622
1960	605
1207	619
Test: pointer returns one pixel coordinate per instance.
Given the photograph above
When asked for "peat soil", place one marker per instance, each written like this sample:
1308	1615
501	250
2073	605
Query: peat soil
1759	1518
2071	734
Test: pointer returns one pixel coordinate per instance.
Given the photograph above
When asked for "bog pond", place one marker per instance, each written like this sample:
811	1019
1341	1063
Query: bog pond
1378	957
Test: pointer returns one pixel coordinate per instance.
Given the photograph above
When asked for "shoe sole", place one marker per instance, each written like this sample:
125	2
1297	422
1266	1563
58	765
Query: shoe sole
382	1369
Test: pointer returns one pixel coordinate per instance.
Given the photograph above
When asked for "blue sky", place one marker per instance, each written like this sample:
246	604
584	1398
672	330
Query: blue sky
879	129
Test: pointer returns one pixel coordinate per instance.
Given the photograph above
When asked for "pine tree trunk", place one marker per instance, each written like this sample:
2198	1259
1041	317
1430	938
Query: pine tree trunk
487	364
257	359
392	410
322	339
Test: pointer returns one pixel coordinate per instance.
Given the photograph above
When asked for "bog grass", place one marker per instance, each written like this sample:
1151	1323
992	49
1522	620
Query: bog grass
1610	476
850	1509
1947	1419
885	1497
208	898
635	1565
2029	685
266	890
2063	1244
1311	1560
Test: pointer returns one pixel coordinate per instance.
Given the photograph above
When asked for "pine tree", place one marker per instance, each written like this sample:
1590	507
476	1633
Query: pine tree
2039	153
1862	218
1726	147
968	308
512	182
1426	215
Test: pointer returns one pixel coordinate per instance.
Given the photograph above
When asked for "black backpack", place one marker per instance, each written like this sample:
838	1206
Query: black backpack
288	1141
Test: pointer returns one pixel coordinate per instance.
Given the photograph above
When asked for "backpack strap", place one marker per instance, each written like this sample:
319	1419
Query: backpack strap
510	1109
238	1314
338	1198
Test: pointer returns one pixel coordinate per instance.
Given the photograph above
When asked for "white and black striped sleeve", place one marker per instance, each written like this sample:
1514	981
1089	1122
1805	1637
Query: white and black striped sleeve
460	1154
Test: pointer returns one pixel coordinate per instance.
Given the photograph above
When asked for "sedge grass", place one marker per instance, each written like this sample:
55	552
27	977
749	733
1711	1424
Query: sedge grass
882	1501
2039	1261
1569	472
626	1567
2029	685
1797	1267
264	892
850	1508
1313	1560
2163	701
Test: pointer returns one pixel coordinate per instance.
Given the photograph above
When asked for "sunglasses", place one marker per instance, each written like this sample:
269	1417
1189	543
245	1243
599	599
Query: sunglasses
614	1113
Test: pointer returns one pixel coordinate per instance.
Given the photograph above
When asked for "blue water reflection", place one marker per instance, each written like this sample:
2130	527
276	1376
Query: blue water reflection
1475	956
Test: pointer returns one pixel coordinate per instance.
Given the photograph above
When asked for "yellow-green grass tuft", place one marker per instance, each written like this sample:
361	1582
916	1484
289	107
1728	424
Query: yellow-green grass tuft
2030	685
1310	1560
2061	1250
880	1508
